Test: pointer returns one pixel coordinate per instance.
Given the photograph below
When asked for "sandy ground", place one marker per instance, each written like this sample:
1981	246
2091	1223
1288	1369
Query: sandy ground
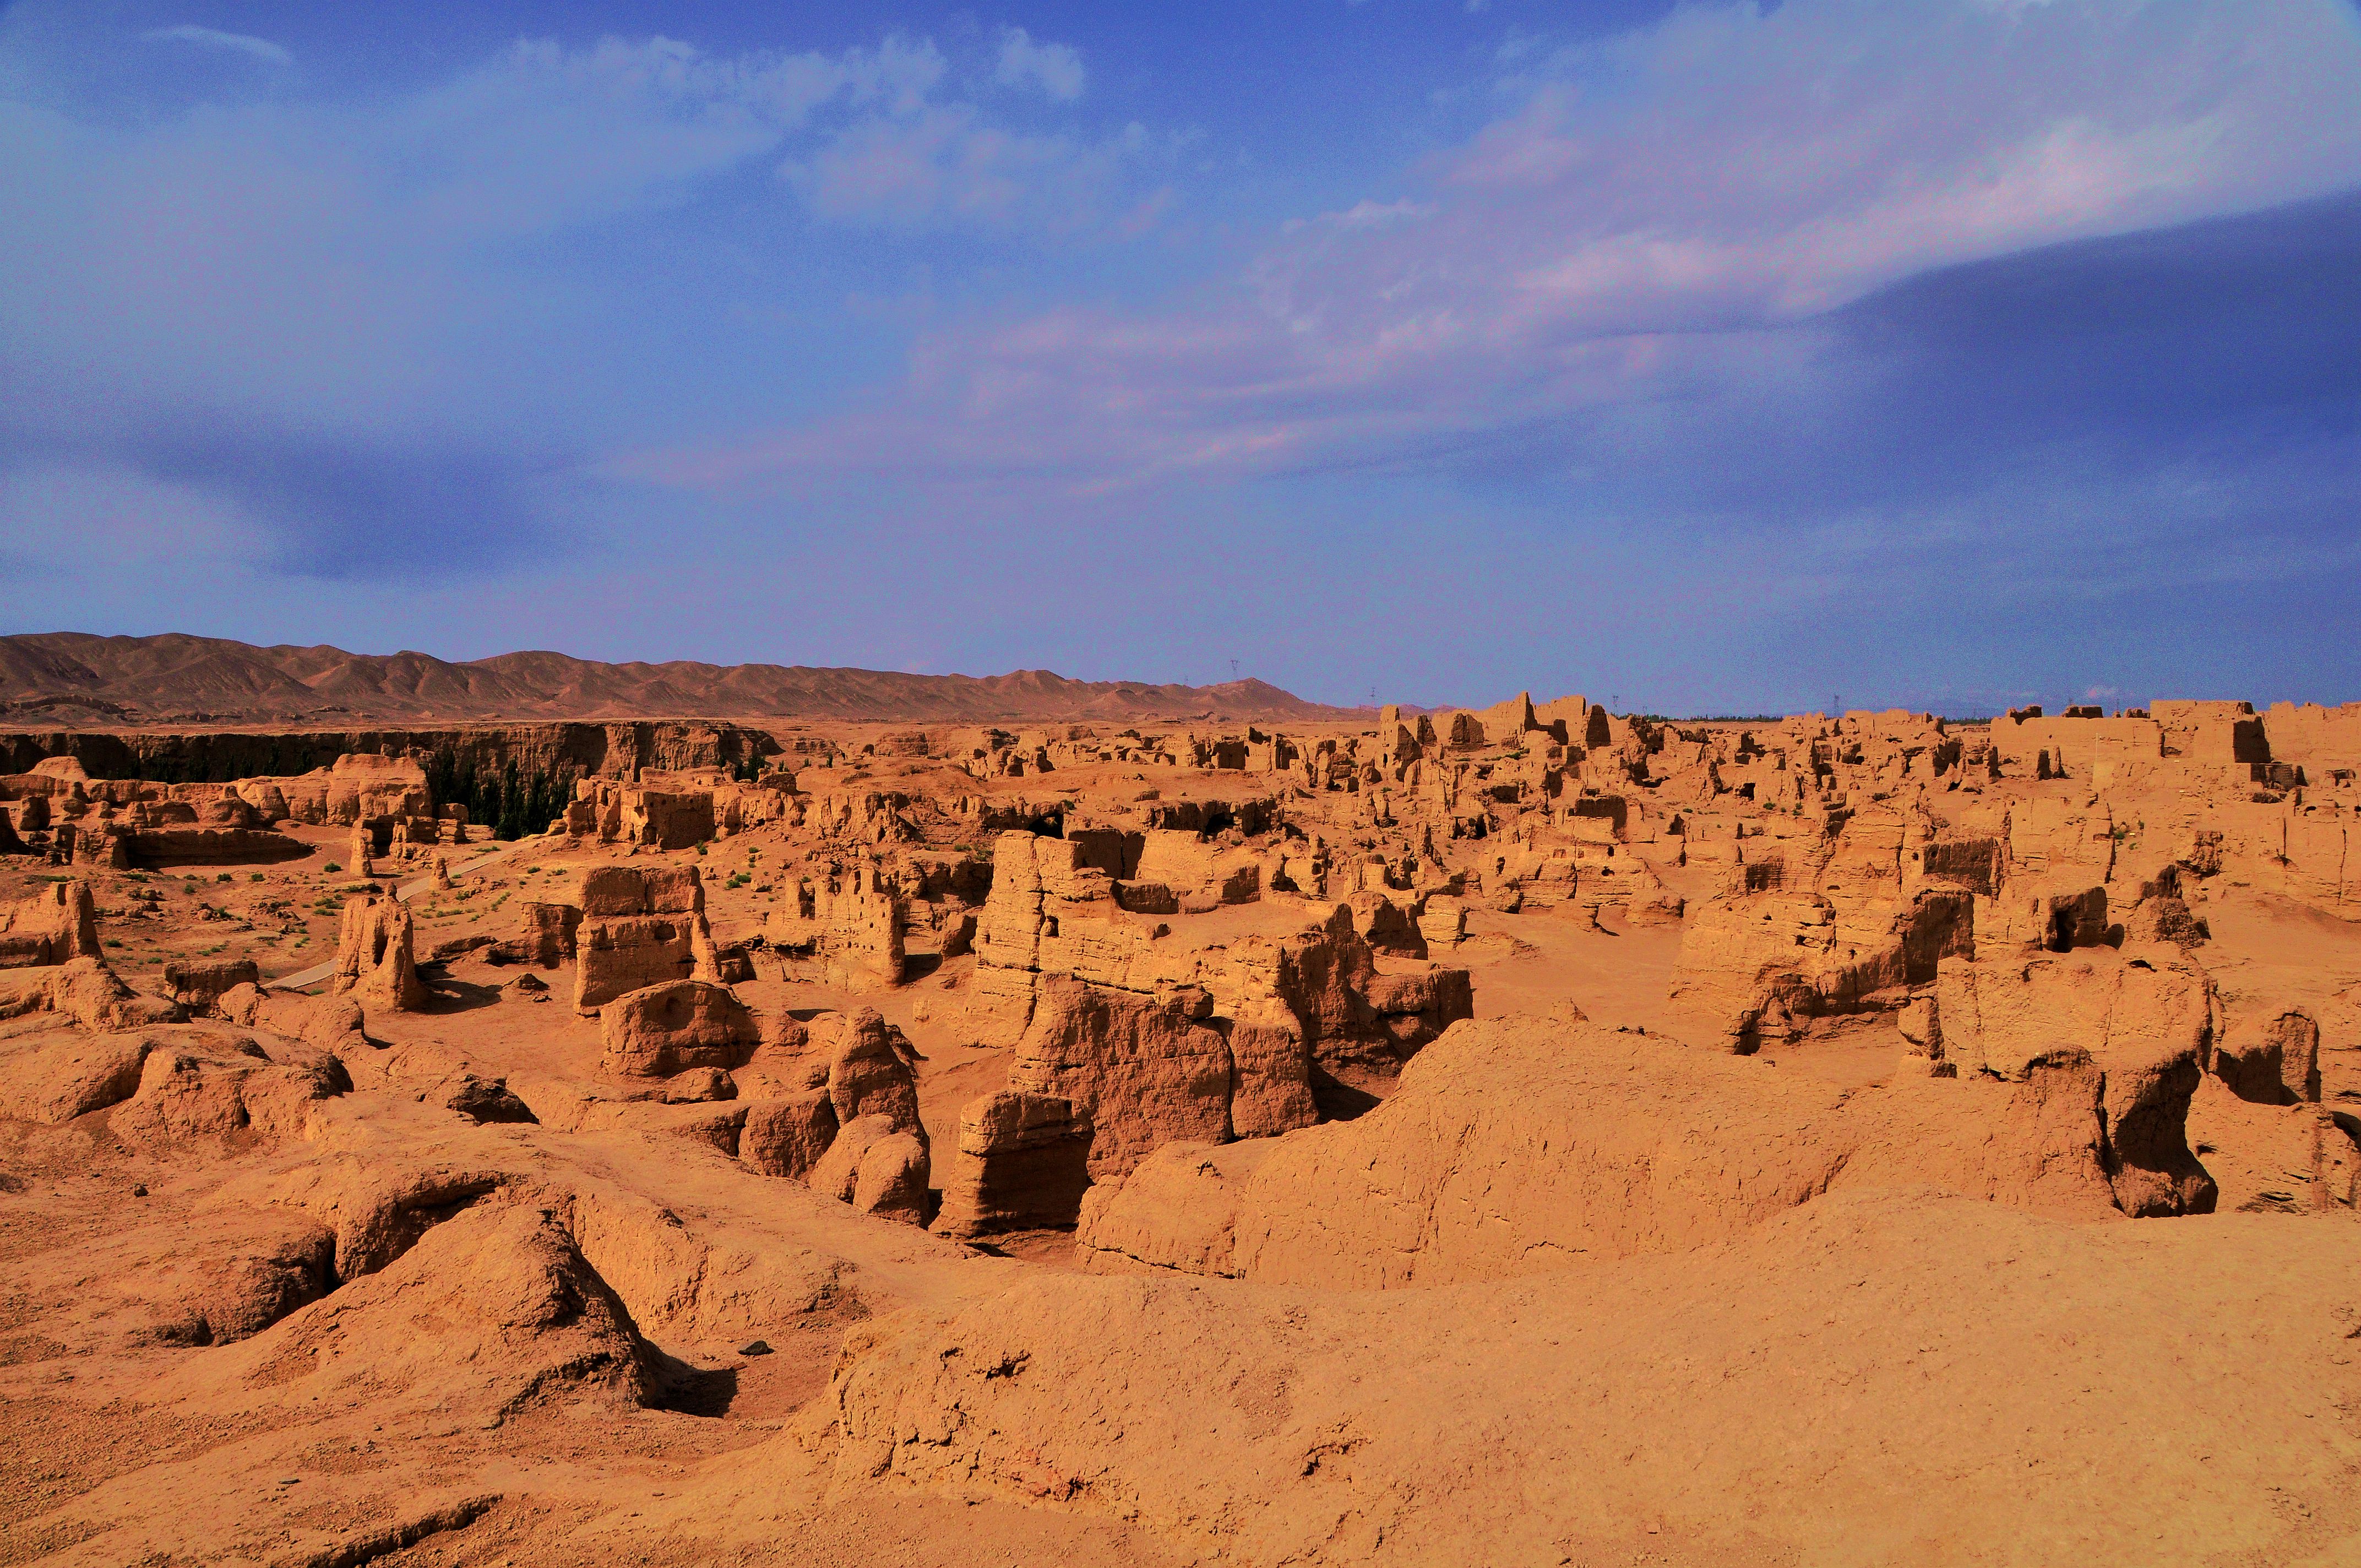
611	1343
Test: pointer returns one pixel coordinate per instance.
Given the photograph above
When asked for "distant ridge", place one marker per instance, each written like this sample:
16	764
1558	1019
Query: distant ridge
74	680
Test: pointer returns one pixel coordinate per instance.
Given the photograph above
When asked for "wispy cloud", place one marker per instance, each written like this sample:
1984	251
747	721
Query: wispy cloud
1055	68
1759	347
316	310
212	38
949	163
1629	231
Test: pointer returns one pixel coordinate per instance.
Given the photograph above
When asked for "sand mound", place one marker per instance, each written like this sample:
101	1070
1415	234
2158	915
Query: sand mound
2120	1394
1522	1145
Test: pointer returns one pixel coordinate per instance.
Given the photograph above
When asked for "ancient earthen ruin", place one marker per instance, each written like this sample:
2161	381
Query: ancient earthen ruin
1532	1134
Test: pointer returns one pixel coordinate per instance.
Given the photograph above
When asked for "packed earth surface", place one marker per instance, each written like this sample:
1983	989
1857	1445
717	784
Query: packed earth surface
1532	1134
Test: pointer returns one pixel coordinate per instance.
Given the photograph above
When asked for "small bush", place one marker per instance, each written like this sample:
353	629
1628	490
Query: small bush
225	876
331	866
255	877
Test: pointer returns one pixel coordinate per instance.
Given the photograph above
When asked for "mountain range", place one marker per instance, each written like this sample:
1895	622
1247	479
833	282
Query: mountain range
78	680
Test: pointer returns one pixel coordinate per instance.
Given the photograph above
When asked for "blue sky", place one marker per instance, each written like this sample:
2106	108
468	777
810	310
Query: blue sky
1716	357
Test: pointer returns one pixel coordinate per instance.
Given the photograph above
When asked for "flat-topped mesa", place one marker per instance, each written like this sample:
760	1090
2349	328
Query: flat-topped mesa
639	928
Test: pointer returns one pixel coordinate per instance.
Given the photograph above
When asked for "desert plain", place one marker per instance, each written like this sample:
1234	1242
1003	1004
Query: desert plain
549	1113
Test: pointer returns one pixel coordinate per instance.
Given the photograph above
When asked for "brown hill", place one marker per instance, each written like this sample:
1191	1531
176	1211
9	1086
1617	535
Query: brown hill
176	678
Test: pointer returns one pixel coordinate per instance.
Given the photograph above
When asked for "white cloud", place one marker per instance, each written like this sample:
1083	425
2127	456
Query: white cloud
211	37
1056	69
341	257
1367	215
1633	227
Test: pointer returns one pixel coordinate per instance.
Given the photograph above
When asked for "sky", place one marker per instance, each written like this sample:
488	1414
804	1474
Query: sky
1699	358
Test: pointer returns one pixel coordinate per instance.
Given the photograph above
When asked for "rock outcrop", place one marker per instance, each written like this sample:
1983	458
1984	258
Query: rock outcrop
375	963
196	1082
55	925
1650	1147
2146	1025
85	991
1022	1163
203	985
546	936
2270	1057
1145	1069
1756	963
667	1028
851	1128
